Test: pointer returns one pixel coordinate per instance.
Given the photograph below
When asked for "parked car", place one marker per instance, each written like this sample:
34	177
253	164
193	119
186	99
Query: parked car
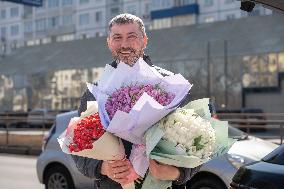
265	174
39	118
57	169
218	173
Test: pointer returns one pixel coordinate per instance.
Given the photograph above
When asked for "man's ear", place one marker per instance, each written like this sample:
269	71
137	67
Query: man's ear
108	41
145	40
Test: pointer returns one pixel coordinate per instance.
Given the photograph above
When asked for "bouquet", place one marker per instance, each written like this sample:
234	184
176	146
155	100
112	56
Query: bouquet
126	97
191	134
88	130
86	137
132	99
186	138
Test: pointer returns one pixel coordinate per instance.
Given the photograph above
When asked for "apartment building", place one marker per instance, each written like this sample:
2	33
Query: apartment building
63	20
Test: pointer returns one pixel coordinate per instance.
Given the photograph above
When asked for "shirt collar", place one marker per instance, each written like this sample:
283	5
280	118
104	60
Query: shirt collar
146	58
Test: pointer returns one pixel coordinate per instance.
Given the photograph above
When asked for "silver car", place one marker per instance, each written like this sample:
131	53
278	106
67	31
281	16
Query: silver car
57	170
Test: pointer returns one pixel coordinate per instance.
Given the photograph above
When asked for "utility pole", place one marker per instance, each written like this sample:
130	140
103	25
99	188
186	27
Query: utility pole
209	92
226	71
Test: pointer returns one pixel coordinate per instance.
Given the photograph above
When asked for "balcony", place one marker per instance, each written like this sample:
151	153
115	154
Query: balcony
175	11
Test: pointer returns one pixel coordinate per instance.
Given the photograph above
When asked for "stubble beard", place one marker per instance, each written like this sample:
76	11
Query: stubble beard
130	59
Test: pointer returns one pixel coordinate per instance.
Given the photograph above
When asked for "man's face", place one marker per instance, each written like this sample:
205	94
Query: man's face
126	42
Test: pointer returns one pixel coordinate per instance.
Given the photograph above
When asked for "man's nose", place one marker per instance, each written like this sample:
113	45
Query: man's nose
125	43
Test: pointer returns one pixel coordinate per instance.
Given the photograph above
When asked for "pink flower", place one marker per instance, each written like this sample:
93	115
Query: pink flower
125	98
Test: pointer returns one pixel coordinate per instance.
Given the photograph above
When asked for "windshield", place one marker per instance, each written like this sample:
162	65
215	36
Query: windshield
276	157
236	133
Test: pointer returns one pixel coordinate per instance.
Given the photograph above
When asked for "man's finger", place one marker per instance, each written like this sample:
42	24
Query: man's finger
118	164
122	169
122	174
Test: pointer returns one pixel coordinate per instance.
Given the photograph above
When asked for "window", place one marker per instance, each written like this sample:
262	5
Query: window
114	11
33	42
14	12
229	1
131	9
147	9
209	19
230	17
3	14
67	2
83	36
183	20
161	23
272	62
28	27
98	16
40	25
53	22
180	2
67	20
99	34
84	19
276	156
260	70
67	37
46	40
15	30
84	1
208	3
281	61
14	44
3	32
53	3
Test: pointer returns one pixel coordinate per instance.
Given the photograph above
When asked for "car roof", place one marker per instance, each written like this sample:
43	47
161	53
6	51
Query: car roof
63	119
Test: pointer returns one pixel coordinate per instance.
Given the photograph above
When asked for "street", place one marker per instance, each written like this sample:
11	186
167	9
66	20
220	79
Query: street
18	172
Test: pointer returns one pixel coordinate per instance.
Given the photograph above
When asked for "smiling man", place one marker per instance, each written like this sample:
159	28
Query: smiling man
126	40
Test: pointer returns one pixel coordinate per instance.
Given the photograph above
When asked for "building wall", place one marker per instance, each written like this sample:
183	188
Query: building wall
268	102
11	26
63	20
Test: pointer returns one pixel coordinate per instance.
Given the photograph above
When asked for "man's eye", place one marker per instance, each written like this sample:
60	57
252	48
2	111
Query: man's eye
117	38
132	37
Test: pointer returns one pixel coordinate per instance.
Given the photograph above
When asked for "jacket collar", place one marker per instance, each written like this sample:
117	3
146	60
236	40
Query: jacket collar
146	58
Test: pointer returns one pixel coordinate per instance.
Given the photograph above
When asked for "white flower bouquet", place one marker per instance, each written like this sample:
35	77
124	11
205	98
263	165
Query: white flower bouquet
188	137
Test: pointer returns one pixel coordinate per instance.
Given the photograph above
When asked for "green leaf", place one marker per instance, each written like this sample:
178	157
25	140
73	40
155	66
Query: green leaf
197	141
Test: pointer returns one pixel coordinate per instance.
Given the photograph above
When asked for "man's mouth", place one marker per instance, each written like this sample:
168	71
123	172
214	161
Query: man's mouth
125	52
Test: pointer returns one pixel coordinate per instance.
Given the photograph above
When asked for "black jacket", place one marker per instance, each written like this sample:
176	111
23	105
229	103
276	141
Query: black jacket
92	167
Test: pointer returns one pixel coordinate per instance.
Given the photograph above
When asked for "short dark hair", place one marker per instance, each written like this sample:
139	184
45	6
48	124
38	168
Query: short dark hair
127	18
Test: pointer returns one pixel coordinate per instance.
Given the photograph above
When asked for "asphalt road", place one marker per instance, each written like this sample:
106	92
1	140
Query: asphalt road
18	172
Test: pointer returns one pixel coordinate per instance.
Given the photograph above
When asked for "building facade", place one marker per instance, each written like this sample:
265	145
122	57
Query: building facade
235	69
63	20
11	28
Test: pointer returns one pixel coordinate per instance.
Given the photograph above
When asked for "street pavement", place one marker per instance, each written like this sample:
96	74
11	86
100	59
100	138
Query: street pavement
18	172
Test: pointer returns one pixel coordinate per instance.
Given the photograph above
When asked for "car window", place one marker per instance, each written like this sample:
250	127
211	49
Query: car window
276	156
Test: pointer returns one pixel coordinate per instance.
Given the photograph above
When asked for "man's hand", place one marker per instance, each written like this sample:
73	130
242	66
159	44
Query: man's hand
163	172
117	170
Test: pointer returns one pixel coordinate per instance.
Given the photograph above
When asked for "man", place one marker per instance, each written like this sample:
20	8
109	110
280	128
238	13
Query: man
126	40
